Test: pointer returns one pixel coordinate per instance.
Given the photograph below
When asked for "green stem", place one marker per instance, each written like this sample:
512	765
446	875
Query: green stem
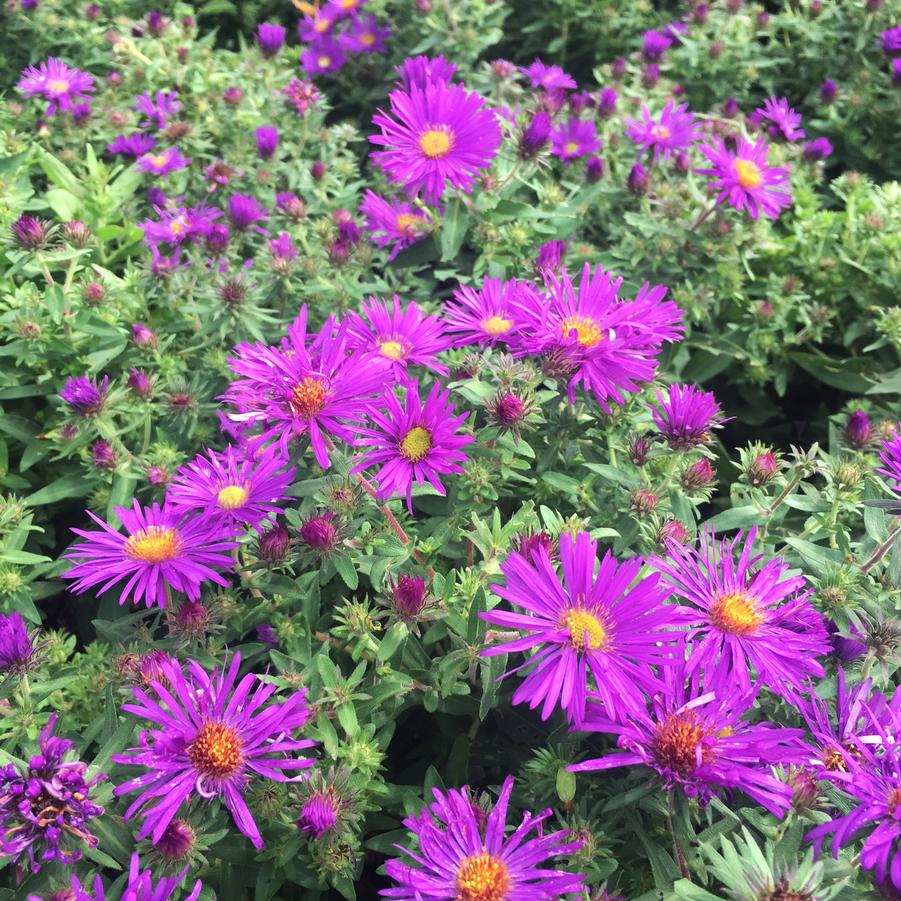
880	551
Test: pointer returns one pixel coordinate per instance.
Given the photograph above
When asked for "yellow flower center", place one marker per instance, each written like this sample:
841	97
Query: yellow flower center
735	612
321	25
217	750
482	877
893	800
367	39
159	159
416	444
588	332
348	4
436	142
585	630
308	396
571	147
834	761
57	86
660	132
232	496
408	222
676	740
497	325
178	225
155	544
324	61
393	350
749	175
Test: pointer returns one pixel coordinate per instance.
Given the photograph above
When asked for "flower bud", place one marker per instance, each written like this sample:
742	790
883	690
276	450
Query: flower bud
699	475
76	233
291	205
618	69
643	502
639	448
319	533
93	294
594	169
763	469
535	136
102	455
318	170
142	335
731	108
176	842
857	430
319	813
232	95
828	91
672	530
407	596
637	181
139	383
29	232
507	410
274	545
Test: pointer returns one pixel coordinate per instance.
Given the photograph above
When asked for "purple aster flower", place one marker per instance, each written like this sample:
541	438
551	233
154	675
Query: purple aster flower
745	180
750	618
491	314
873	787
45	806
861	716
323	57
270	38
896	71
290	204
163	162
416	442
319	813
576	138
344	9
437	136
318	25
180	224
163	549
607	102
244	211
535	135
828	91
890	455
365	35
140	383
214	738
654	45
598	621
158	109
891	41
785	120
675	130
302	95
817	149
697	741
686	416
313	389
403	335
62	85
141	885
84	395
608	344
29	232
462	853
17	650
550	257
394	223
551	78
230	488
420	71
266	137
282	247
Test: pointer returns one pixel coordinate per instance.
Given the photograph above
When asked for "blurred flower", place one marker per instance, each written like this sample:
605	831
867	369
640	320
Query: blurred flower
828	91
62	85
17	650
163	162
857	430
818	149
102	455
890	455
266	137
142	335
785	120
420	71
323	57
134	145
393	222
535	135
365	35
676	129
551	78
158	108
654	45
891	41
550	257
637	182
576	138
270	38
244	211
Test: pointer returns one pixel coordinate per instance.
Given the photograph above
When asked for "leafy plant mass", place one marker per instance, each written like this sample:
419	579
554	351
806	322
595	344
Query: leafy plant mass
450	451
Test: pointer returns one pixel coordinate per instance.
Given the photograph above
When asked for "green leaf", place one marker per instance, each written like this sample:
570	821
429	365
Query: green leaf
72	485
453	229
391	641
58	172
63	203
347	571
736	518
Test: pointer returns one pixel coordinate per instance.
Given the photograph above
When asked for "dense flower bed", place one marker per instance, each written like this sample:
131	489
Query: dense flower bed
450	451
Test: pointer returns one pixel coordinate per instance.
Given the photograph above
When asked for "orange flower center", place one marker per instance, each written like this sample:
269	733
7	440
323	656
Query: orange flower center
482	877
497	325
436	142
308	396
324	61
588	332
321	25
416	444
676	742
178	225
217	750
58	86
367	38
408	222
735	612
232	496
155	544
585	630
159	159
660	132
749	175
894	799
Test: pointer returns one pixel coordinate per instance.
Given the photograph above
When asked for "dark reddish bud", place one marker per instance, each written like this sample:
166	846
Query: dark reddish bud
176	842
618	69
637	181
274	545
93	293
29	232
76	233
639	448
102	455
672	530
642	502
594	169
408	596
139	383
507	410
716	48
529	545
699	475
763	469
318	170
319	532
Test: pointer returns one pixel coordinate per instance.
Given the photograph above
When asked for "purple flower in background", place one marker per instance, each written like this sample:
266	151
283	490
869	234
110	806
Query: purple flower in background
464	853
675	130
414	442
62	85
17	650
696	740
550	257
654	45
404	335
139	382
132	145
828	91
550	78
309	28
45	806
163	162
686	416
230	488
244	211
890	455
270	38
785	120
162	549
535	135
365	35
323	57
282	247
595	621
816	150
421	71
81	112
490	314
266	137
158	108
393	222
891	41
750	619
744	179
214	736
607	102
437	136
84	395
576	138
180	224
